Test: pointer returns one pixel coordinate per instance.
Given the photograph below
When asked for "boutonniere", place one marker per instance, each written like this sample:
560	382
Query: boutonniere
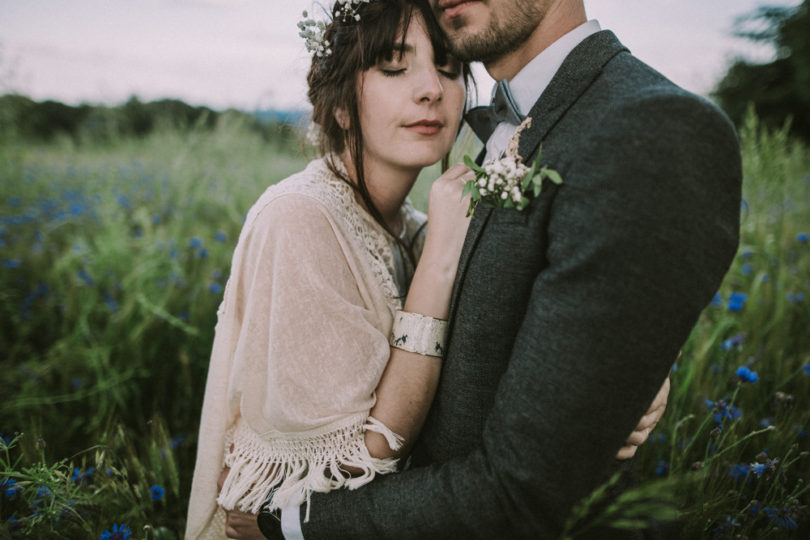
507	182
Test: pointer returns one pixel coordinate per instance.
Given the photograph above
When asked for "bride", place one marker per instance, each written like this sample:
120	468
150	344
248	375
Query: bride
306	390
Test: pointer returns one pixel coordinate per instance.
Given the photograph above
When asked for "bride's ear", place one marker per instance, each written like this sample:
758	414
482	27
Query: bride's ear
342	118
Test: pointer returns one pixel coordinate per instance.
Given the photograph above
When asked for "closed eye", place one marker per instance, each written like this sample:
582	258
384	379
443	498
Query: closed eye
392	72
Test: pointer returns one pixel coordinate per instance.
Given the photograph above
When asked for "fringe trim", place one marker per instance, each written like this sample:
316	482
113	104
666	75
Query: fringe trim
290	469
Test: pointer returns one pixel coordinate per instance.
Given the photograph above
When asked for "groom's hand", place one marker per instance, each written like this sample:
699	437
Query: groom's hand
647	423
239	525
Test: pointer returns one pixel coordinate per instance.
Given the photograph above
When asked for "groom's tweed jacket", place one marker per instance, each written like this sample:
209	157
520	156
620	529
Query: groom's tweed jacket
567	316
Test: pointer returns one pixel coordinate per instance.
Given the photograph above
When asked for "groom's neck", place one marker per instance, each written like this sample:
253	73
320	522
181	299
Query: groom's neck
561	18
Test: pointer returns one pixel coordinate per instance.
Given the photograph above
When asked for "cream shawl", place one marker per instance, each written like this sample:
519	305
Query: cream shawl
301	342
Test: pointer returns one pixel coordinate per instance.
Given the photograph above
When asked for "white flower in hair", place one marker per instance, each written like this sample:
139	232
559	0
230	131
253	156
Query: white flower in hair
313	31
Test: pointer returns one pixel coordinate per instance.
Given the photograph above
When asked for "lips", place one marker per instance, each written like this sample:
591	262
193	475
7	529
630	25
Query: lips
425	127
453	8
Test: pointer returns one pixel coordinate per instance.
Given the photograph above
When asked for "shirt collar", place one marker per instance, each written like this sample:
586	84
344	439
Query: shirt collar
528	85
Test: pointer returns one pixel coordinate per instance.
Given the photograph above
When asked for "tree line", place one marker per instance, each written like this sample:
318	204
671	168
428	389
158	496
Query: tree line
25	118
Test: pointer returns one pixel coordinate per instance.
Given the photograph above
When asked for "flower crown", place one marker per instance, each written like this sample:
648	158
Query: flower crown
313	31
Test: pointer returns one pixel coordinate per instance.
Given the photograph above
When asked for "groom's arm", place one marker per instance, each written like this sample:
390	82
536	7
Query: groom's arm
640	236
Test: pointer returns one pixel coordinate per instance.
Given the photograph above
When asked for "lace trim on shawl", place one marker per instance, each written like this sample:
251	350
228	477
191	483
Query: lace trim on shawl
292	468
365	232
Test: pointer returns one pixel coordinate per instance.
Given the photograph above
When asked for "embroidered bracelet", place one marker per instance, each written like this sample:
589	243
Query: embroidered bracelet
419	334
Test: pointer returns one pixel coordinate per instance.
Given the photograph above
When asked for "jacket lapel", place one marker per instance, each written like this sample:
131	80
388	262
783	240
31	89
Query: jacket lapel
580	68
577	72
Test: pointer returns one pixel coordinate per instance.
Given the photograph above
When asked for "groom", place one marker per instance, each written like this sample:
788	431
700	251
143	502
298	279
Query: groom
566	316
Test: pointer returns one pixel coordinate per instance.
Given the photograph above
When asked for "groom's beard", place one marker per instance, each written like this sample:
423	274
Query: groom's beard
510	25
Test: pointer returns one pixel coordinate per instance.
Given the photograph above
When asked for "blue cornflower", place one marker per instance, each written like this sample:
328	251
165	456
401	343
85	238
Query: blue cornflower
722	410
155	219
755	508
766	278
723	529
195	242
85	276
77	209
12	263
746	269
123	200
795	298
215	288
10	487
732	342
203	253
806	369
12	523
746	375
76	383
116	532
662	468
220	236
174	442
112	305
736	301
766	422
746	254
79	476
782	517
739	472
43	491
758	469
157	492
717	301
802	238
14	201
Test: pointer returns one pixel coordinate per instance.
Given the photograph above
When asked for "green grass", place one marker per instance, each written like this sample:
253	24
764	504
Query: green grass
112	261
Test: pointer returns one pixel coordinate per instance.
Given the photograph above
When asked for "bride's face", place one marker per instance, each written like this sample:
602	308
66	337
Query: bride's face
409	107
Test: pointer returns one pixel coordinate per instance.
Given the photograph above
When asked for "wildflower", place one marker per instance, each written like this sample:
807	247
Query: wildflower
85	277
806	369
766	422
736	301
722	410
746	269
662	468
203	253
746	375
79	476
802	238
746	254
174	442
782	517
717	301
155	219
12	263
755	508
723	529
43	491
732	342
76	383
215	288
10	487
195	243
220	236
112	305
795	298
739	472
123	200
157	492
800	431
116	532
12	523
758	469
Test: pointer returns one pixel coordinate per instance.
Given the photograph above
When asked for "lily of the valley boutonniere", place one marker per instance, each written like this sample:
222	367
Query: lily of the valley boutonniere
507	182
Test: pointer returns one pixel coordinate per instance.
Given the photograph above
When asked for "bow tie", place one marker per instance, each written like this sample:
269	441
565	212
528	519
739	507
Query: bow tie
483	119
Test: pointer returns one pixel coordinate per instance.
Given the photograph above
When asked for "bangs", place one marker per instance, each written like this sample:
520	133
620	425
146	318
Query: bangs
382	32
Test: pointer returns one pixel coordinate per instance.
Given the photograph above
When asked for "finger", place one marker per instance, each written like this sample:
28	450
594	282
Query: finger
626	452
638	437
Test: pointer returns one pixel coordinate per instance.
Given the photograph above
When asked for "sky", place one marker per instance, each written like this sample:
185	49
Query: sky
247	54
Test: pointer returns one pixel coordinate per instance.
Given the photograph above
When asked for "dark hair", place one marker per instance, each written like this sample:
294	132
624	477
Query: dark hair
356	47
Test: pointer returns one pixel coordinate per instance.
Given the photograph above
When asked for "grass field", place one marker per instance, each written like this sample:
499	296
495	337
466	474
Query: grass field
113	258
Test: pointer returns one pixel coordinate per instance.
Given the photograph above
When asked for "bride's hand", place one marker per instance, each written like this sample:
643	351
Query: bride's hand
239	525
447	218
647	423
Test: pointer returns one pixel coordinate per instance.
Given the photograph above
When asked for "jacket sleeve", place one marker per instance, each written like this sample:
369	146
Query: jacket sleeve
640	235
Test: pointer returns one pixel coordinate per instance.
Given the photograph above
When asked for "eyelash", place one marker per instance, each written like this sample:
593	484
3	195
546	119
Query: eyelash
396	72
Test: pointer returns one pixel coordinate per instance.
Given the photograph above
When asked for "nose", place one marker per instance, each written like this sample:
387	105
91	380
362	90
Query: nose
429	86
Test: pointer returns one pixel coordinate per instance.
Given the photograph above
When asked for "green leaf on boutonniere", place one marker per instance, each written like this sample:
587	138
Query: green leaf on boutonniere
506	182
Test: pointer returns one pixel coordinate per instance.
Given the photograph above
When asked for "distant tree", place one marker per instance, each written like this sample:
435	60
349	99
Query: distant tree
780	89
